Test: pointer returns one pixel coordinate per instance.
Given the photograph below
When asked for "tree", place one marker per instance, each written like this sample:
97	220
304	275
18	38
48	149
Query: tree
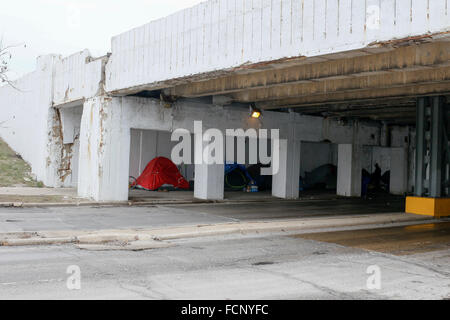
5	59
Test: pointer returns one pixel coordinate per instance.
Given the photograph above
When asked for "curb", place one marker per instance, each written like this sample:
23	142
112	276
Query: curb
35	242
58	204
150	203
138	245
185	232
284	226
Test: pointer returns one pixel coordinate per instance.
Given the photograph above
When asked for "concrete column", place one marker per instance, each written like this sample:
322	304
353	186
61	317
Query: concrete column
285	183
209	178
399	171
349	170
104	150
384	135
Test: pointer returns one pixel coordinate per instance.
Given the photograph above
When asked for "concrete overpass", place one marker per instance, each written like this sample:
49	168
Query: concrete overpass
347	72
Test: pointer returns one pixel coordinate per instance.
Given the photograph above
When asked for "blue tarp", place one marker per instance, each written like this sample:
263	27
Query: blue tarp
231	167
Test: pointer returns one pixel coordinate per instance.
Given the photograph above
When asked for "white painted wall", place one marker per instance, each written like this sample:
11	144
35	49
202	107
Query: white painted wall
37	131
77	77
147	145
71	122
30	120
26	119
225	34
372	155
215	35
106	135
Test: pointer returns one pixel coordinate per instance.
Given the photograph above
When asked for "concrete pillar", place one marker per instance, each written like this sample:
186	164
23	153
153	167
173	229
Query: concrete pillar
384	135
285	183
349	170
399	171
209	178
104	150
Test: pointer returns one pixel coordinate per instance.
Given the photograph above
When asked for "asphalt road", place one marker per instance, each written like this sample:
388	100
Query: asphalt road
273	266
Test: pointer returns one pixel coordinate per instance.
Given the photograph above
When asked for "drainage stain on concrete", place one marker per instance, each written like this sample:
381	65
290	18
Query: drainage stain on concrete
405	240
263	263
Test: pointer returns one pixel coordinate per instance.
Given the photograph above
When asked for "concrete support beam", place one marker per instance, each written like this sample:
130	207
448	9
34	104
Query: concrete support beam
407	58
356	86
209	178
349	170
285	184
104	151
358	95
399	171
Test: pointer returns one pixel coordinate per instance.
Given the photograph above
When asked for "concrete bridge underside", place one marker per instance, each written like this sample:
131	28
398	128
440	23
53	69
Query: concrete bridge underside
382	83
379	83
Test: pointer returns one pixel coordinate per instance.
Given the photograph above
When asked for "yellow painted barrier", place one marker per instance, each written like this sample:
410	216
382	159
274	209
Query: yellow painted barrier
435	207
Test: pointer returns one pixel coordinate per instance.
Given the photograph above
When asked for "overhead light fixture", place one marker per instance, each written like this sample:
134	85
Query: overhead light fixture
255	112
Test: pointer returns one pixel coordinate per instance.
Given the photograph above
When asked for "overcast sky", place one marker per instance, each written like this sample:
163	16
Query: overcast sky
68	26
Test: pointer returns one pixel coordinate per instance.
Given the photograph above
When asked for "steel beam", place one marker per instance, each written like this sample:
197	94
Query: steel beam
432	148
420	147
437	147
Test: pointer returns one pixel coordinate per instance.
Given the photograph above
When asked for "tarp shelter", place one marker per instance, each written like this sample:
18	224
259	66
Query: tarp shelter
161	171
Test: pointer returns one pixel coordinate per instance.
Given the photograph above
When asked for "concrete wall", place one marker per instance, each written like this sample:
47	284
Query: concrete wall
211	37
77	77
372	155
405	137
344	132
107	138
399	171
70	123
52	146
46	137
27	120
314	155
147	145
149	114
225	34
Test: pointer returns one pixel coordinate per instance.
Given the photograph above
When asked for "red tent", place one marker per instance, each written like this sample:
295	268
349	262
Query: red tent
161	171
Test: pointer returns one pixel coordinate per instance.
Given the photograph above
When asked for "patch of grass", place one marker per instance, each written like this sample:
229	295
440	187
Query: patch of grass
14	171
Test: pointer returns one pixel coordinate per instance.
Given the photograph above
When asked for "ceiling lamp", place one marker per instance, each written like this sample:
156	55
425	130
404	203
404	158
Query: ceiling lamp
255	112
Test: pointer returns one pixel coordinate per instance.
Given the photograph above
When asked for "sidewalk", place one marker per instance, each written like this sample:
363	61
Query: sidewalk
166	217
151	227
144	239
62	197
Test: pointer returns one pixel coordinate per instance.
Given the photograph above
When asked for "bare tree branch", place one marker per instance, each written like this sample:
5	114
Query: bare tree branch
5	59
2	122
